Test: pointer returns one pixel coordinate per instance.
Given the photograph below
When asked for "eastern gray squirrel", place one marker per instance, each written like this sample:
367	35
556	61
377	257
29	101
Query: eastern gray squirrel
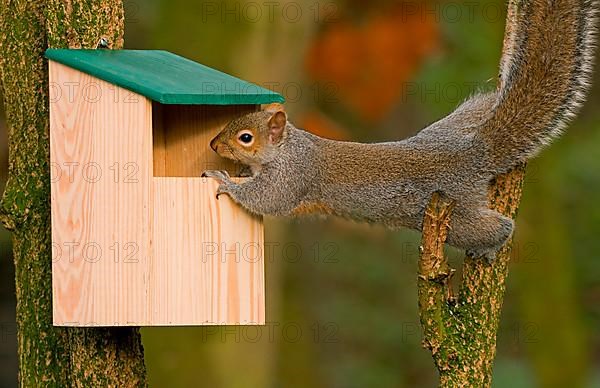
544	73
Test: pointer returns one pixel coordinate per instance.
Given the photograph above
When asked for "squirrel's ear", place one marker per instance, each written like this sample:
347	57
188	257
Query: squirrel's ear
277	124
274	108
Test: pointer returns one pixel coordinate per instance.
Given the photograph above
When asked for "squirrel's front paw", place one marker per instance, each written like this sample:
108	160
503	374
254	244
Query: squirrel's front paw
226	185
224	188
221	175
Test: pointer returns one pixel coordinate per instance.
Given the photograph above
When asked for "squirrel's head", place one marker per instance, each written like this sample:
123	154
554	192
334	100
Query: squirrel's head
253	139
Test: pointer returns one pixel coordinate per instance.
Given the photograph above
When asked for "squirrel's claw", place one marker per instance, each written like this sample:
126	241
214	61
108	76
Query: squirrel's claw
221	175
222	190
223	178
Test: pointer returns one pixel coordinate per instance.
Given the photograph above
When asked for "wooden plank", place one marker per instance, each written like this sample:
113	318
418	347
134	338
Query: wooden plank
101	160
208	265
158	140
188	130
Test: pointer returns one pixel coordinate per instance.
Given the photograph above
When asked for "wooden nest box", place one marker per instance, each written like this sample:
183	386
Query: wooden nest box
138	237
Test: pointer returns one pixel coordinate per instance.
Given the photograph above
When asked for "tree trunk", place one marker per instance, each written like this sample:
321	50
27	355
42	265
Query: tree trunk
51	356
461	332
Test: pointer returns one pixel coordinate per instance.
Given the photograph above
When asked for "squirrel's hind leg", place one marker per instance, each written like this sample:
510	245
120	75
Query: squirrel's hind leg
480	232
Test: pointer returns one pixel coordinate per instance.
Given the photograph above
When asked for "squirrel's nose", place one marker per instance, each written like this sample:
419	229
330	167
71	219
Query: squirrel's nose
213	144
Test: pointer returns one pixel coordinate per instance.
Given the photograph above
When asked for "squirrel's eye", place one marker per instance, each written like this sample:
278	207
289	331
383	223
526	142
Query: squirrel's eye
245	138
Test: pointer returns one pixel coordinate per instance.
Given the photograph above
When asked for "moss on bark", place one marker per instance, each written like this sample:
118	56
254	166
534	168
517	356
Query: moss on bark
461	332
50	356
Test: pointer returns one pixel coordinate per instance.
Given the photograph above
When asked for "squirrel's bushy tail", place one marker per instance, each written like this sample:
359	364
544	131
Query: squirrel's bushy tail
544	74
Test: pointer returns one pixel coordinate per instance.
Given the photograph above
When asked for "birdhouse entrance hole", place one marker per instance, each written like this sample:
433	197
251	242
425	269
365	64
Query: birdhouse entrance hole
182	134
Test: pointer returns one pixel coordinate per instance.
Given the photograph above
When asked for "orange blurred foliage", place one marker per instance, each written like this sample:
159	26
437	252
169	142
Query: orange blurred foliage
317	123
370	61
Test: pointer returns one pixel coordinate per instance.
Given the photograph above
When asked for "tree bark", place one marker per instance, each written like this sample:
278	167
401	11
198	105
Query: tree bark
461	332
48	355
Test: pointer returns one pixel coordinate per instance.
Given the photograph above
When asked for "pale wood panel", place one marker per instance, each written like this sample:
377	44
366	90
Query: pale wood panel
101	154
186	134
158	134
208	266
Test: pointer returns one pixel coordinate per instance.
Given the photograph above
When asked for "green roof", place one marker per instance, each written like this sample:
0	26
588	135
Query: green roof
164	77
